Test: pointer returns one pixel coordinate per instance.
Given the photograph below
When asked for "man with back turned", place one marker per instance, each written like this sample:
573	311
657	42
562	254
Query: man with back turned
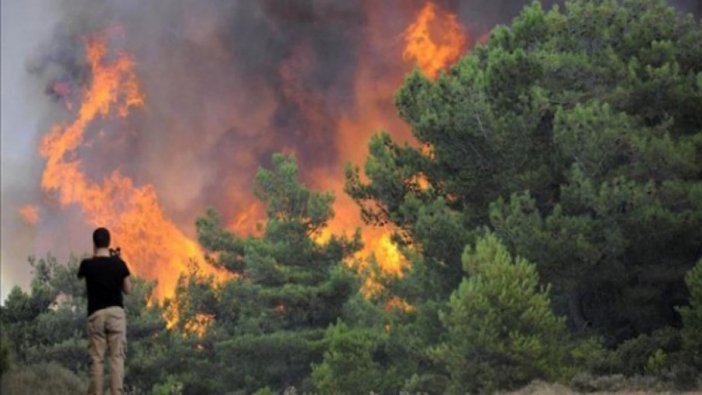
106	278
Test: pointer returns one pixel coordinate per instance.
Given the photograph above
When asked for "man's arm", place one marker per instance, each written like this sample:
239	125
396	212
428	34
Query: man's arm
126	286
126	282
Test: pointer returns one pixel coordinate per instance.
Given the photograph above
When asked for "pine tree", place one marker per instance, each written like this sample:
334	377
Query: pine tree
575	135
692	317
502	332
270	321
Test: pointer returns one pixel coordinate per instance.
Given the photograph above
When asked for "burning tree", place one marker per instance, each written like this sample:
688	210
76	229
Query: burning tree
267	324
573	137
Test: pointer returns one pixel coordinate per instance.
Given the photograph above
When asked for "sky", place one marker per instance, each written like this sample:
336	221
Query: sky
25	25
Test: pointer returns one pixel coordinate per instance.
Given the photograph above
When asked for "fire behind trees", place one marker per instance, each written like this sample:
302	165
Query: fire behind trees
564	152
98	160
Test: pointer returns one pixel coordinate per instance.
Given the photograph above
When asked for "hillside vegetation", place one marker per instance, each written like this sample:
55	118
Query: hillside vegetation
551	213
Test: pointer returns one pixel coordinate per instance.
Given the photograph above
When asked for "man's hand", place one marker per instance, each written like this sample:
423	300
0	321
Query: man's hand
126	286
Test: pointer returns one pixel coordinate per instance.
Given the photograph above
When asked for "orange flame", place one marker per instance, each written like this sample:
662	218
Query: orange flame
431	55
154	247
397	303
249	220
386	252
198	325
29	213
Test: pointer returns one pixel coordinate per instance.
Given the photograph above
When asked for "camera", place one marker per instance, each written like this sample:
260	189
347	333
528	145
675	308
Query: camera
116	252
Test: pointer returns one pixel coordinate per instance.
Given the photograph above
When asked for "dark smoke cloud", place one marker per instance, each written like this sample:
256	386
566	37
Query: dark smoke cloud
254	77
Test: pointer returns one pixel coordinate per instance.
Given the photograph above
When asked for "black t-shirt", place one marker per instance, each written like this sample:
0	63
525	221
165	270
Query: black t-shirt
104	276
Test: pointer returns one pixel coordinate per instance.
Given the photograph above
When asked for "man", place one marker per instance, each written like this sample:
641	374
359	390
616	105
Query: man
106	278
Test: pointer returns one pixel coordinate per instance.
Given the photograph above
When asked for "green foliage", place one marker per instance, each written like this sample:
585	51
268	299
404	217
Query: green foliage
588	356
567	150
47	326
646	354
692	317
501	332
169	387
42	379
5	352
353	362
288	201
268	323
265	391
575	135
656	362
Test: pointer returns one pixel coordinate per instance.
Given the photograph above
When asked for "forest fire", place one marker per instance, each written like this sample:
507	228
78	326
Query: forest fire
156	246
152	245
318	196
432	54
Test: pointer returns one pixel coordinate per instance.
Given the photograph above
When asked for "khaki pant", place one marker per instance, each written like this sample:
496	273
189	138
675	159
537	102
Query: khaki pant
107	328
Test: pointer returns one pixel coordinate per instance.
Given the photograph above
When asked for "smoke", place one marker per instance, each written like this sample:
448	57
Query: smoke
25	112
226	84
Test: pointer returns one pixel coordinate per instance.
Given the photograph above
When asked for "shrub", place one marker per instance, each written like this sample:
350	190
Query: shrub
265	391
351	363
42	379
692	316
5	358
647	354
169	387
501	332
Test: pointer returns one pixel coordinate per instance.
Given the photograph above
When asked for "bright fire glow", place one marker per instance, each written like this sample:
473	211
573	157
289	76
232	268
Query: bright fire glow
386	252
397	303
29	213
249	220
198	324
434	43
152	245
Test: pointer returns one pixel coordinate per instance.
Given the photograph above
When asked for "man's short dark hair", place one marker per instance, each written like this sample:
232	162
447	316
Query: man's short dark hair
101	238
